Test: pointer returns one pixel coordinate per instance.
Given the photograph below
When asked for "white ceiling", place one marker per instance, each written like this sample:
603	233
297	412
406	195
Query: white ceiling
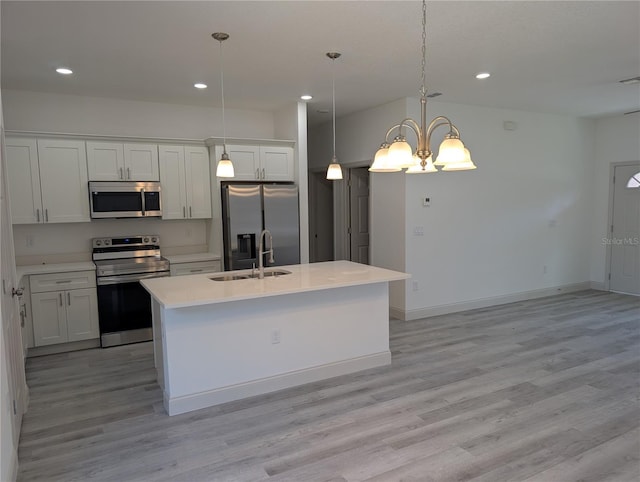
546	56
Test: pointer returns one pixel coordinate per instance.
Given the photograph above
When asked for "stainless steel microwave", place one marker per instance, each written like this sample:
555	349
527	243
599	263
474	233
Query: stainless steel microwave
126	199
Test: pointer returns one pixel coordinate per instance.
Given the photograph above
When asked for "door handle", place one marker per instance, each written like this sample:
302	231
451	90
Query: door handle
17	292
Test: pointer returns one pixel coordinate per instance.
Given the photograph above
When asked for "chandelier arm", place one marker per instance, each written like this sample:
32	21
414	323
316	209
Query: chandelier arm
437	122
405	122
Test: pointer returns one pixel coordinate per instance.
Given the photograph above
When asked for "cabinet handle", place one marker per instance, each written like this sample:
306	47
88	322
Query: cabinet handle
121	174
190	215
257	173
38	215
46	215
184	212
263	176
128	173
195	270
68	298
63	281
60	297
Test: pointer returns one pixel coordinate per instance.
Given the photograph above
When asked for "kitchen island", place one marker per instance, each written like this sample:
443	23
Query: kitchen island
217	341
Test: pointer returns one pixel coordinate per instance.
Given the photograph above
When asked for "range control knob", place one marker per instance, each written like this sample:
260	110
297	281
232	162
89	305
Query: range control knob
145	240
154	240
98	243
107	242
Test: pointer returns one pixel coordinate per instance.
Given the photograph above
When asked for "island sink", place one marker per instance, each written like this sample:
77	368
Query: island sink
268	273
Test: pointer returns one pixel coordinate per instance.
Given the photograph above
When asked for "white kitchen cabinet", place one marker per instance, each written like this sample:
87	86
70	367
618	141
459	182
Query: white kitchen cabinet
185	182
115	161
199	267
24	180
47	181
64	307
260	162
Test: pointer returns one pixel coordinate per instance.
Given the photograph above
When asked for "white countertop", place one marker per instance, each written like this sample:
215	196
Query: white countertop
54	268
194	290
191	258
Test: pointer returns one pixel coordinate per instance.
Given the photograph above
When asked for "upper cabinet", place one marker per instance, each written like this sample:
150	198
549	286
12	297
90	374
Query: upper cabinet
47	180
115	161
185	182
260	162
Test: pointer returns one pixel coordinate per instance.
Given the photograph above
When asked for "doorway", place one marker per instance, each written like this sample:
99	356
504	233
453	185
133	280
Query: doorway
320	218
358	228
624	229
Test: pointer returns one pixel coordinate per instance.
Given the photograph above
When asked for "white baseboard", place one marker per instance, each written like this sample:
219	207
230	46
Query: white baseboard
178	405
486	302
63	347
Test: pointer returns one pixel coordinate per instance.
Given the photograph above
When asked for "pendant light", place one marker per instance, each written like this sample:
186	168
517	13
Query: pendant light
334	172
225	167
397	155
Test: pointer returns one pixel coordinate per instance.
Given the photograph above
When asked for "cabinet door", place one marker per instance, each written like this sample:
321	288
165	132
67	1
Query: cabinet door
199	267
172	182
49	318
105	161
141	162
82	314
277	163
24	181
198	183
63	180
245	159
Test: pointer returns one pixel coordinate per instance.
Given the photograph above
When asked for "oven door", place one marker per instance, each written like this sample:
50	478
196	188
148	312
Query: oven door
124	309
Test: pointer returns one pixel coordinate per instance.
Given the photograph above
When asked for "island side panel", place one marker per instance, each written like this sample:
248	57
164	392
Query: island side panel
225	351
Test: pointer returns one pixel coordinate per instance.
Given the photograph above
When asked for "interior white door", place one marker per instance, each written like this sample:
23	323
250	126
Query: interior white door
14	387
359	214
321	217
625	230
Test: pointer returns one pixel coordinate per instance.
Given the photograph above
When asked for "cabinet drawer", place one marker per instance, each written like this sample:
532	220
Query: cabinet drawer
62	281
181	269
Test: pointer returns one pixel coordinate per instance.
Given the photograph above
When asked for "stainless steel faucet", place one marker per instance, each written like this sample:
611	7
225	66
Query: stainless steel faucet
261	252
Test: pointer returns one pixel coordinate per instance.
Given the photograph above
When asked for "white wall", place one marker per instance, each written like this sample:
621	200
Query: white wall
617	139
520	223
72	114
291	123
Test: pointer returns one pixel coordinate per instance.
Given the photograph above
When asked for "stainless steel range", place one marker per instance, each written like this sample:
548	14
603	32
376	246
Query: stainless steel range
124	306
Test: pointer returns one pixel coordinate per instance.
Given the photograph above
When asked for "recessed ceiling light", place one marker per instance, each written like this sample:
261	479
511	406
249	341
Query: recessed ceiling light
483	75
633	80
64	71
306	97
200	85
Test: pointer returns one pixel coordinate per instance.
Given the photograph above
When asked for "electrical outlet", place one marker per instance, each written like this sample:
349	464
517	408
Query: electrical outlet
426	202
275	337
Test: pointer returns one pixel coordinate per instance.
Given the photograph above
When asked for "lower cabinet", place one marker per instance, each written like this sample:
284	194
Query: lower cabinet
182	269
64	315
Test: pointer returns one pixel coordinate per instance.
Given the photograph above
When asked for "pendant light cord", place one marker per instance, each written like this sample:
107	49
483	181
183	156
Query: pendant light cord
333	90
423	89
224	124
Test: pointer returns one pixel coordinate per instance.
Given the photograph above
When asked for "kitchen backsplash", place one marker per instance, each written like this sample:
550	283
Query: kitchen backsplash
60	243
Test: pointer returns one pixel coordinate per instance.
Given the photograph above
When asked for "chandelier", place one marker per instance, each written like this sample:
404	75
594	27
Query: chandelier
398	154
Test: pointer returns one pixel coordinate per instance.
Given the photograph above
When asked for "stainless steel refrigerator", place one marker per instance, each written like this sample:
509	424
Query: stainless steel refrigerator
247	209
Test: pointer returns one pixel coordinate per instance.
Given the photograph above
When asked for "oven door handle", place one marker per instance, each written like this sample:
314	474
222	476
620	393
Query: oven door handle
128	278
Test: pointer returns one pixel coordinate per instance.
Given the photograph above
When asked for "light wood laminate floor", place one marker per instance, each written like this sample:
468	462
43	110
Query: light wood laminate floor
543	390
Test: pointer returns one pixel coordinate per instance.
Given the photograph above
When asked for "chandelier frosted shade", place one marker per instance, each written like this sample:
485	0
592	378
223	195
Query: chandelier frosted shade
418	168
451	151
400	153
381	161
465	165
